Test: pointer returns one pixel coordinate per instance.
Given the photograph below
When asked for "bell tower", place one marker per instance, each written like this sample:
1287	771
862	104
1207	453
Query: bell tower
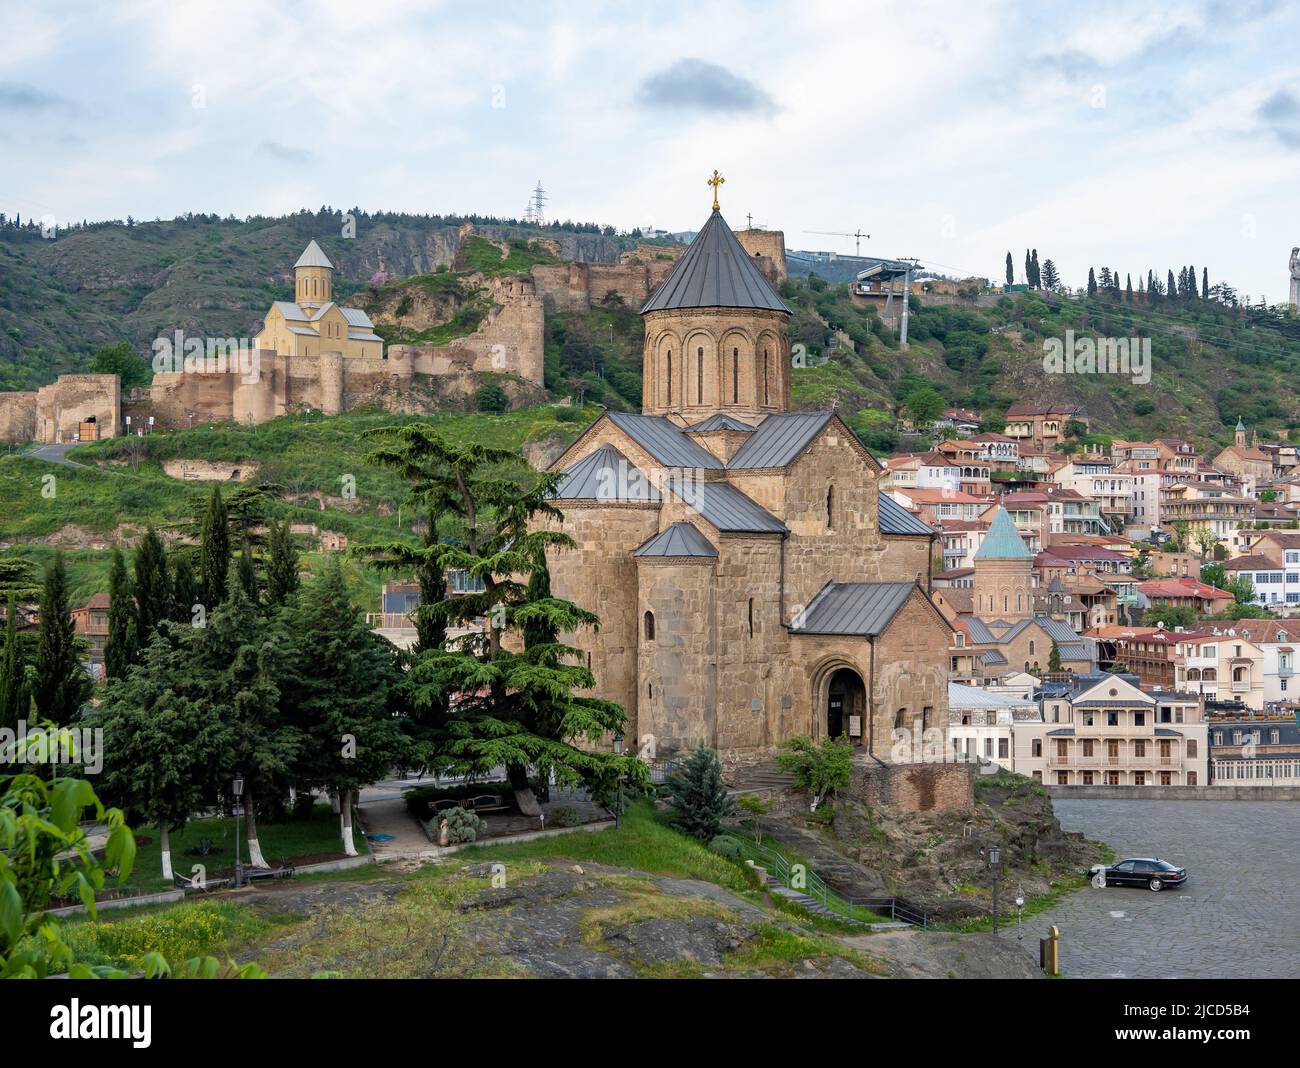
313	278
715	334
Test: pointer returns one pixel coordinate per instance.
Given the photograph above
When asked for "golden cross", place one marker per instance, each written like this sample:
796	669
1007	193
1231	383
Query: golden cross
715	181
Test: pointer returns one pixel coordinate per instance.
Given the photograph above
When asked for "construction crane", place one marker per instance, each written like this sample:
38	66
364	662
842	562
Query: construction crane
857	236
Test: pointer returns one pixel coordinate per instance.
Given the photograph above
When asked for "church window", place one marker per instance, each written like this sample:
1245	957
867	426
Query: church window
1006	603
699	376
765	390
649	626
830	507
899	718
735	376
670	376
751	617
1031	647
589	661
1019	602
925	717
651	689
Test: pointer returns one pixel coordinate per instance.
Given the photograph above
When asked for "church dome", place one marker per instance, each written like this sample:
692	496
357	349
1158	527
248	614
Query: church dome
715	272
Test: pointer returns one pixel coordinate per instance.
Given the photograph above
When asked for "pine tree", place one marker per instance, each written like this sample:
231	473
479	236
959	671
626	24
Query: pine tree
1092	282
185	589
14	699
152	588
700	801
282	564
1051	279
120	648
336	693
1011	271
214	552
62	685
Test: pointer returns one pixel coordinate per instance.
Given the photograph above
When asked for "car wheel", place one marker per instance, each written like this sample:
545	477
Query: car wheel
1156	885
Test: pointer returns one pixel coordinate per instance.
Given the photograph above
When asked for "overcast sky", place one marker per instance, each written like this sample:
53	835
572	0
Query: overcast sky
1132	135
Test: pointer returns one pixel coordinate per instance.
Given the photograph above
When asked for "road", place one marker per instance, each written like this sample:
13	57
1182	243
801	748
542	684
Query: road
1238	917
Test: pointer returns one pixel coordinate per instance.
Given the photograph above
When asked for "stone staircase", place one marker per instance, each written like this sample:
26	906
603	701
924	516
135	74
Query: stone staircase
754	777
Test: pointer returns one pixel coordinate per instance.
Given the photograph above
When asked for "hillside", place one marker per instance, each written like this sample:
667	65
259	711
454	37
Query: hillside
122	486
61	299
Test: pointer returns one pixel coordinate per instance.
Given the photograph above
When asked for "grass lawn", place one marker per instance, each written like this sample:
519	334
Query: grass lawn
279	841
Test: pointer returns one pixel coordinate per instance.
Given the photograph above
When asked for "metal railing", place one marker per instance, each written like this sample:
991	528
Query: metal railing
783	871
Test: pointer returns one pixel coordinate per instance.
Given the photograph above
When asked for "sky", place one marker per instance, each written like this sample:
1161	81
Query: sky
1137	136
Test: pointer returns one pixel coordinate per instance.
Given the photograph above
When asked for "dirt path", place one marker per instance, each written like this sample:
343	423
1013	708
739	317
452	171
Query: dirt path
387	814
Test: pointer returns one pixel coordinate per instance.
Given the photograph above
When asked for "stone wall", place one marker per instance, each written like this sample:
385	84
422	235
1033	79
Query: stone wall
17	416
63	405
1176	793
575	287
914	787
768	248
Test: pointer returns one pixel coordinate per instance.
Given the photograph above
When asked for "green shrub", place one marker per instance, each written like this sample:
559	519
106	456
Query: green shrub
566	816
700	801
462	825
725	847
492	398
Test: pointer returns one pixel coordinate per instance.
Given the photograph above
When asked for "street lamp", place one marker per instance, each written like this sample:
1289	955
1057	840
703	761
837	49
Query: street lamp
618	810
995	863
1020	910
237	789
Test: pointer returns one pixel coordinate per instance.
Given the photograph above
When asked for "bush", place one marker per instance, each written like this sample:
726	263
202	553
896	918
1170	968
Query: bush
817	767
462	825
725	847
566	816
570	415
492	398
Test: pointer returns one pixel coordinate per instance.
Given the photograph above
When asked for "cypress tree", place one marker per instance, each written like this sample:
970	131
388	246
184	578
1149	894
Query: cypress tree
121	648
700	801
1029	270
1037	280
282	566
14	700
247	574
1054	657
62	684
1092	282
1011	271
1205	283
152	589
185	590
1171	288
1128	287
214	551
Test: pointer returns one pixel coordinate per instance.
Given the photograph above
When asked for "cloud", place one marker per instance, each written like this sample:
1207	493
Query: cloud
1280	113
696	85
14	96
287	153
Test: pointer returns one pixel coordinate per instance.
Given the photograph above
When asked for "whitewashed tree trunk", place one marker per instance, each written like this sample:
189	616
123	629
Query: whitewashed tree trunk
255	857
345	819
164	840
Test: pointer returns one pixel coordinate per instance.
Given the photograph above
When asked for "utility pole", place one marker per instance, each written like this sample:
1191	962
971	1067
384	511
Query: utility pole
907	287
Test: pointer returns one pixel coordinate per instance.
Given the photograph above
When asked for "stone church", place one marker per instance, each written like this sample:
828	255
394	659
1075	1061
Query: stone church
752	581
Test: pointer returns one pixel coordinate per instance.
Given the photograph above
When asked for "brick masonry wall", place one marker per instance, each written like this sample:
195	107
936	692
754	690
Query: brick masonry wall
914	787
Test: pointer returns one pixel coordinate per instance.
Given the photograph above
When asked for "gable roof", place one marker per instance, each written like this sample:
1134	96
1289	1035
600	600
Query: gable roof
720	422
726	507
677	539
1003	541
715	272
860	608
605	475
779	439
664	440
895	519
313	256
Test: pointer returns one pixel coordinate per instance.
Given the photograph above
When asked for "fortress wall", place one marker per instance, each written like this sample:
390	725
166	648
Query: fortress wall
17	416
768	246
71	400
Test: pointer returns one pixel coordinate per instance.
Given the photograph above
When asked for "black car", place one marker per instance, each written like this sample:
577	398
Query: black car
1153	873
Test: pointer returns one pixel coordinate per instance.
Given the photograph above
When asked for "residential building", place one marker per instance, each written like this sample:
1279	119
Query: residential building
1207	600
1254	751
1043	426
91	623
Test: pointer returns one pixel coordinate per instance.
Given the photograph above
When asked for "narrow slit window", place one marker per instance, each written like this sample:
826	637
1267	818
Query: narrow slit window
649	626
699	376
735	376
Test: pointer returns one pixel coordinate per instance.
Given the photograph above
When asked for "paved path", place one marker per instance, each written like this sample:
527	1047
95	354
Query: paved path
1238	916
56	454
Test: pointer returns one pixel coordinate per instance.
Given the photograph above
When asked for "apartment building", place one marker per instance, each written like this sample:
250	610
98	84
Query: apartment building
1255	751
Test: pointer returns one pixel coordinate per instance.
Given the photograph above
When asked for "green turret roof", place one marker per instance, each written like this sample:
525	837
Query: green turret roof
1003	541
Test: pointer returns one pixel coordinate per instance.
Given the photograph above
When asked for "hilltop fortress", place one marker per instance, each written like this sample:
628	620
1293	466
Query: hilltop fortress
314	353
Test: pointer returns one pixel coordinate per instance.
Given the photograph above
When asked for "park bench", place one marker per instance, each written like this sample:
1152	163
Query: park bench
490	803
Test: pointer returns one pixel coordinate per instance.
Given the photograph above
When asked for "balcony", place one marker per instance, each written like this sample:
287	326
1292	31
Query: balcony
1241	686
1151	762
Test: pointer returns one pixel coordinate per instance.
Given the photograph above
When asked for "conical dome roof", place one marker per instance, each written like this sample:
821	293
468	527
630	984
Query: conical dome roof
715	272
314	256
1003	541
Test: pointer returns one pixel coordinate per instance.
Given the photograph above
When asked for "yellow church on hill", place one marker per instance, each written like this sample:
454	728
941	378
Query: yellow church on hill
312	323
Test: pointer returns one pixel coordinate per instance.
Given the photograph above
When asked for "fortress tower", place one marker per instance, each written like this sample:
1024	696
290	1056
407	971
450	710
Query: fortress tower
715	340
313	277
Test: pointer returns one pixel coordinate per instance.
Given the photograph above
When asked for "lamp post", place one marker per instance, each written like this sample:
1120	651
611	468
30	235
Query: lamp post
618	810
237	789
995	863
1020	911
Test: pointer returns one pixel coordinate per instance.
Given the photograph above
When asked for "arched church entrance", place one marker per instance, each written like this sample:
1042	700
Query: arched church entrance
846	704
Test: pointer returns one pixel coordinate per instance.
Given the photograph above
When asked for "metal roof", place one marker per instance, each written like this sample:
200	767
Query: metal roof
979	631
1057	628
605	475
962	696
895	519
313	256
715	272
853	608
779	439
726	507
290	310
993	657
721	422
1003	541
678	539
665	441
